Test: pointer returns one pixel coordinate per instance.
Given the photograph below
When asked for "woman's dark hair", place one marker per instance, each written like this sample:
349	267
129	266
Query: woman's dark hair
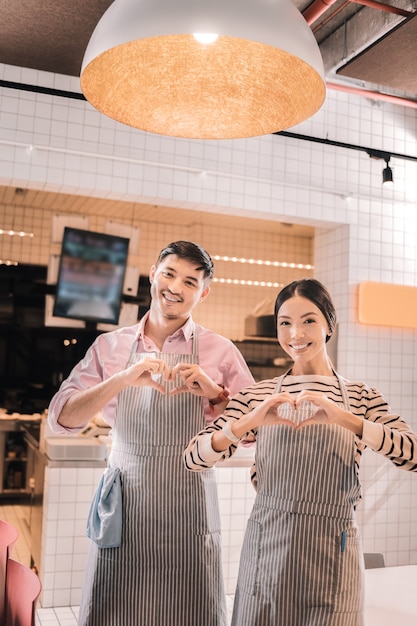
191	252
312	290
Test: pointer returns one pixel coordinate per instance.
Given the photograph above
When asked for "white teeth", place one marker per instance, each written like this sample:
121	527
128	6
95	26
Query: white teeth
171	299
300	347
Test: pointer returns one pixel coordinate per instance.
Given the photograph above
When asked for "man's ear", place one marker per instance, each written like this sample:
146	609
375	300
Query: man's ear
204	293
152	273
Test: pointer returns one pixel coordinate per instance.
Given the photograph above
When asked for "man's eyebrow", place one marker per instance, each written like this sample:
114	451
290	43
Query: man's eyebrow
193	278
174	271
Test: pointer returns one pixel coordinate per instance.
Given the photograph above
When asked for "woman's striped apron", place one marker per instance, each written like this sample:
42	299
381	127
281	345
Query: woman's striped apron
301	562
168	569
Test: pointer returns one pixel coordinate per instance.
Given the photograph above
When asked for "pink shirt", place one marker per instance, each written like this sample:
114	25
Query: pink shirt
109	353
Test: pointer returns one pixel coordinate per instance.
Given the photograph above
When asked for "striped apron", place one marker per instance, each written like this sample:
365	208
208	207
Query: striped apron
168	570
301	562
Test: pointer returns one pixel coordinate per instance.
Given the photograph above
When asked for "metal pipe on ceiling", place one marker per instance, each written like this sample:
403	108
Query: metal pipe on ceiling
374	95
329	17
384	7
318	7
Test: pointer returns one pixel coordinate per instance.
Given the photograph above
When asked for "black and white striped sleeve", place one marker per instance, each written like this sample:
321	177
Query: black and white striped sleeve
387	433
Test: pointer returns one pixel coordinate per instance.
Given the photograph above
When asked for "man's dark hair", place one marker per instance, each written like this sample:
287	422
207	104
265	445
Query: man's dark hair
189	251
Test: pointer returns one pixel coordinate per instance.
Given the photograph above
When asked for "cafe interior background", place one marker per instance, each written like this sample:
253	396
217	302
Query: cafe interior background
269	209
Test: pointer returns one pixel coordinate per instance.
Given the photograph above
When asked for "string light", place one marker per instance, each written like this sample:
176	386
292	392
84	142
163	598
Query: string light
8	262
299	266
250	283
17	233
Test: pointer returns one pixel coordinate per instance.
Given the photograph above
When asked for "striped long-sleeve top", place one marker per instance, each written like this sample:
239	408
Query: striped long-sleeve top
384	432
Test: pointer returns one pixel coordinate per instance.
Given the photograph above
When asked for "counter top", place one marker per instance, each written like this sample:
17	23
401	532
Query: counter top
15	421
22	417
390	596
66	449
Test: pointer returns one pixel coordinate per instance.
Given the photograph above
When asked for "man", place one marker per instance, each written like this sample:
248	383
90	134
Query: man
157	384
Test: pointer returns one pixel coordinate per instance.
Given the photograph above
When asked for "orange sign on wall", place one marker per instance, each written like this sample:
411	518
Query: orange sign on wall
385	304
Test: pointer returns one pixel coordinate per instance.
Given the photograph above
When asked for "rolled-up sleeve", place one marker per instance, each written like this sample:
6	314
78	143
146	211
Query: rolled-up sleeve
106	356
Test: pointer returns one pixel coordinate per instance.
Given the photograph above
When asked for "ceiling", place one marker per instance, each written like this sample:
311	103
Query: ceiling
52	36
58	203
372	47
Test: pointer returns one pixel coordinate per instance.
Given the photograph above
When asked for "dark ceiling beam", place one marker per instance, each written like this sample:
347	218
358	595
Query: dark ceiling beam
372	152
38	89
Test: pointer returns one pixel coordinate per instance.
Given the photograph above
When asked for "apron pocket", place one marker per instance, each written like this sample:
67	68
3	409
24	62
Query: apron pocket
349	587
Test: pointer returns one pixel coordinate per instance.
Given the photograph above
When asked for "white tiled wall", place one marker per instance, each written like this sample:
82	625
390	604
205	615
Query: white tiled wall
236	496
68	494
363	232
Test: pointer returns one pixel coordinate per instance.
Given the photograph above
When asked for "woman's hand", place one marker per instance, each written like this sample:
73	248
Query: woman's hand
268	412
265	414
327	412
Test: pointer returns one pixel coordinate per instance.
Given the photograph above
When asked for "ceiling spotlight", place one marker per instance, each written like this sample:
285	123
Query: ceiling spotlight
253	67
387	178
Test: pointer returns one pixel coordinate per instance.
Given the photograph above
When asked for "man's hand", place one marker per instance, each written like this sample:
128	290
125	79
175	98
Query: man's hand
194	380
141	374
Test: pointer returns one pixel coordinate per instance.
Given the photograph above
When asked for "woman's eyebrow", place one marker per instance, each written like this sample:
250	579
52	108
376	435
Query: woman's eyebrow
288	317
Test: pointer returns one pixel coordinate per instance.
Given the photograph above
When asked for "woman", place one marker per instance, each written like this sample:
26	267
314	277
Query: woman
301	562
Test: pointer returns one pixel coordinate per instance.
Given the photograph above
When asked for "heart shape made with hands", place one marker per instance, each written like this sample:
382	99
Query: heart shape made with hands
168	384
299	414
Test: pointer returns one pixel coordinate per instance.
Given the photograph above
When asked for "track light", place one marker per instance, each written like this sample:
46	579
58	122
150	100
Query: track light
387	177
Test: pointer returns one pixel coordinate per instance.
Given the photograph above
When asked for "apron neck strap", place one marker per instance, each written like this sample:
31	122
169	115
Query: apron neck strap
342	386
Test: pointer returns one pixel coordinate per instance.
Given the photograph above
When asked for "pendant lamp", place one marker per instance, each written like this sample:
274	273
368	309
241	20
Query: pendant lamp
204	69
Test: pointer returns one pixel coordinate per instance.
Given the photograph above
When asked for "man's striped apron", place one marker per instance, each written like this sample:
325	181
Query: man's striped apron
168	570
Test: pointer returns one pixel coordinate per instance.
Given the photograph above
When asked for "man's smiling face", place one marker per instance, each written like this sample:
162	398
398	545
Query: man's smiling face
177	286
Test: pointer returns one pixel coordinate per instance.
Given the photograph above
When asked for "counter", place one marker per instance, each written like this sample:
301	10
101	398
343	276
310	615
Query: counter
61	474
390	596
57	476
68	488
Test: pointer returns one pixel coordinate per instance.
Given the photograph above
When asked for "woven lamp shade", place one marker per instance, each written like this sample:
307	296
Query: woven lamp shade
143	67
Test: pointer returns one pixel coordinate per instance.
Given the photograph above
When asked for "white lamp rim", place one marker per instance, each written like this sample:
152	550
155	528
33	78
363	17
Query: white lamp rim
276	23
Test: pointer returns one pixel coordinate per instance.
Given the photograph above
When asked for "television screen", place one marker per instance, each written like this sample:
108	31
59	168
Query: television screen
91	275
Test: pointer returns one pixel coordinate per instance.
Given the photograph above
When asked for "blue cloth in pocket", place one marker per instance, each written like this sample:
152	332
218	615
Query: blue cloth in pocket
104	522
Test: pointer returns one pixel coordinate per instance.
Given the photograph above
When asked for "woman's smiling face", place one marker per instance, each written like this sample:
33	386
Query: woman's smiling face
302	330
